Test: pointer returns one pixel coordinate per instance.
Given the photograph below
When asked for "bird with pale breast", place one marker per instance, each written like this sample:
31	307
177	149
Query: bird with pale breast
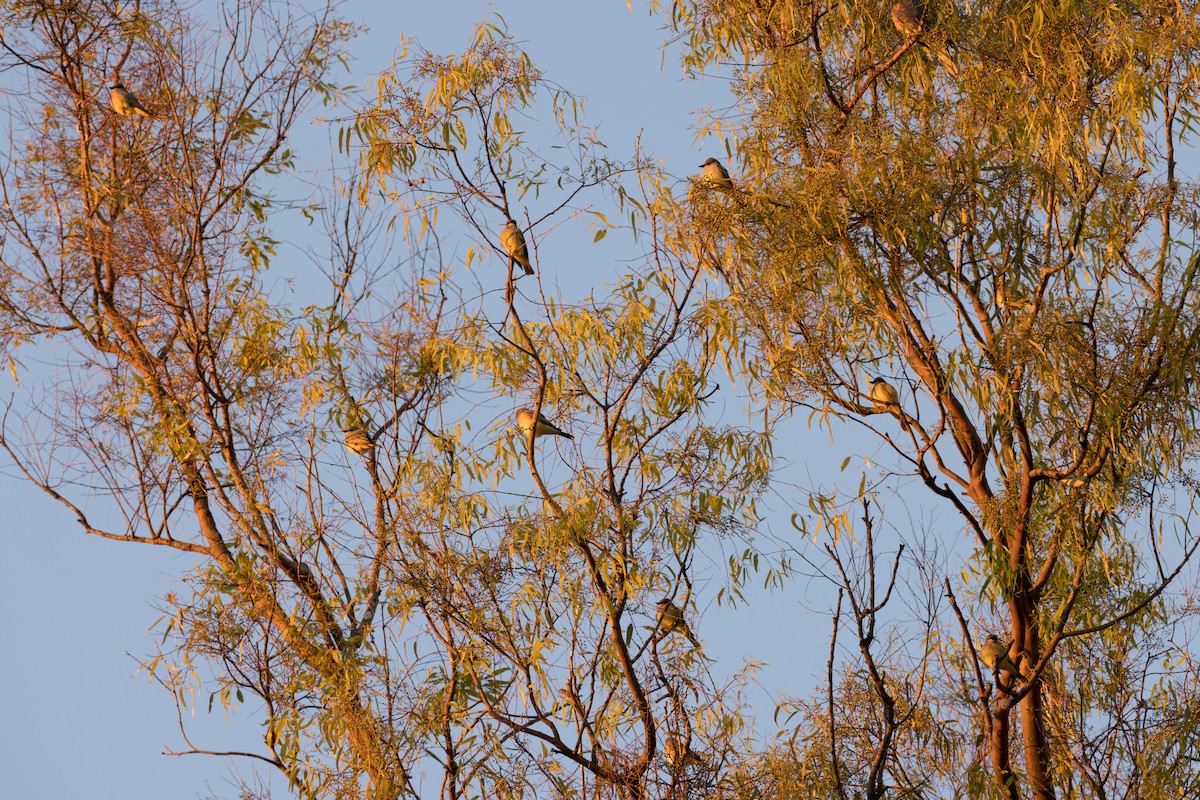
358	440
544	426
994	654
671	620
885	398
714	173
125	102
678	754
883	394
514	244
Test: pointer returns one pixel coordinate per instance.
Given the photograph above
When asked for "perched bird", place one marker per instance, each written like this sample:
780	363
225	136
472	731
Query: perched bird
358	441
678	754
571	695
670	620
911	17
716	174
125	102
995	655
514	244
544	426
884	395
886	398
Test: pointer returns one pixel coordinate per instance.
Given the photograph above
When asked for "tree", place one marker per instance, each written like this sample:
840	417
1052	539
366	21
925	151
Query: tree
387	607
1014	247
452	600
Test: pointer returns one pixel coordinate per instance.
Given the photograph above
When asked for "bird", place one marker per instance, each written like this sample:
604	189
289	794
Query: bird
514	244
125	102
571	695
544	426
358	441
885	398
715	174
671	620
883	394
995	655
678	754
911	17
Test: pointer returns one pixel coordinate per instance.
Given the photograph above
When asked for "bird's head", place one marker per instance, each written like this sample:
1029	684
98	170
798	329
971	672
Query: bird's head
663	603
993	638
877	380
118	85
710	161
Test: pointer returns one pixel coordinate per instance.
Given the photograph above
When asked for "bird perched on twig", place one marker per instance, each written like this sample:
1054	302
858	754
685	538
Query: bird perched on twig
679	755
994	654
358	440
514	244
125	102
715	174
912	17
885	398
671	620
544	426
883	394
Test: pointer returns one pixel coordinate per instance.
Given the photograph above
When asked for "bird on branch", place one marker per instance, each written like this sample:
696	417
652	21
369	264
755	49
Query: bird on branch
544	426
125	102
912	17
715	174
358	440
885	398
994	654
679	755
514	244
671	620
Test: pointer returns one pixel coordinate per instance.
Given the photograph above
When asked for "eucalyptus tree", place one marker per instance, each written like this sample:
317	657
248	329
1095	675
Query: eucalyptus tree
420	596
1012	244
577	679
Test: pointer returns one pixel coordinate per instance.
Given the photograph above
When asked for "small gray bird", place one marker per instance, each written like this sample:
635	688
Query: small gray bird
544	426
883	394
671	620
715	174
125	102
911	17
994	654
358	441
679	755
514	244
885	398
